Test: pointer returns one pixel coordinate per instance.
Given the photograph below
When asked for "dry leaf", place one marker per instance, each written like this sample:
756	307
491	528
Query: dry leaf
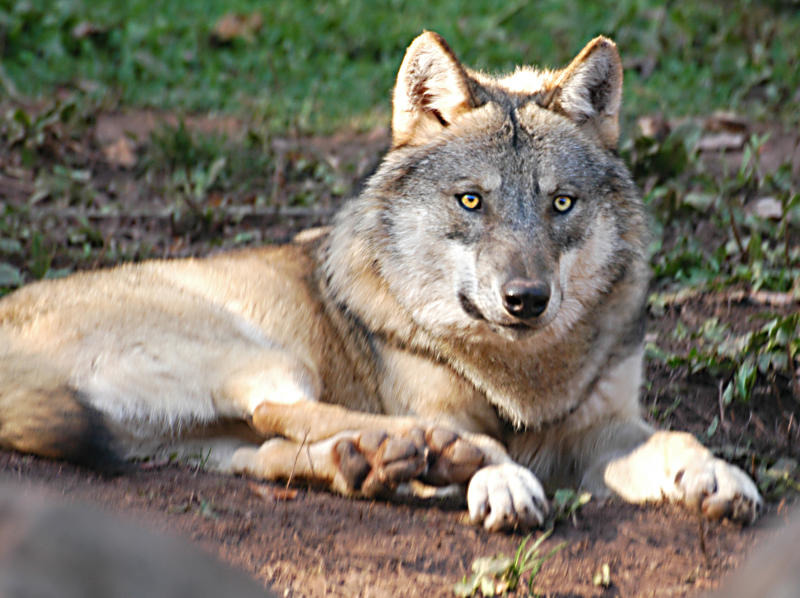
121	153
272	492
768	208
86	29
654	126
233	25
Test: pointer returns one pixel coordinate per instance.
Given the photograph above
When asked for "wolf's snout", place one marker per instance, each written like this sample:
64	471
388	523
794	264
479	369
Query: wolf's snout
525	299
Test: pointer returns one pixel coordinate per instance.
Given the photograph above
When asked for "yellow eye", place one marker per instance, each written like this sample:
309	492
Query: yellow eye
563	203
469	201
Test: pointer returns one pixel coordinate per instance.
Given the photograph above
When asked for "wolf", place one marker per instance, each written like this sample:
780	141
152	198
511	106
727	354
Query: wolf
474	318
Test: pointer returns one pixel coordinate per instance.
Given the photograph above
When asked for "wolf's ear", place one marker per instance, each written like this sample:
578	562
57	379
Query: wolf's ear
589	90
432	90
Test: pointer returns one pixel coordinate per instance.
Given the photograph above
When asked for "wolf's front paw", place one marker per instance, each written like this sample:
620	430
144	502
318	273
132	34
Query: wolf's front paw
719	489
506	496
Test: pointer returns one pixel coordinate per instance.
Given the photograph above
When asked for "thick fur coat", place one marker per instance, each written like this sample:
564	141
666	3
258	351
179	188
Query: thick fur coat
474	317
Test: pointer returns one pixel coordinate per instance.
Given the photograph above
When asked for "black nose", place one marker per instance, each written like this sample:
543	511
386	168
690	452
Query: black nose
525	298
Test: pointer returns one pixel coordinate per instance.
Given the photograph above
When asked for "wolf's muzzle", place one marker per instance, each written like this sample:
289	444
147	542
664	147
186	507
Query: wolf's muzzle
525	299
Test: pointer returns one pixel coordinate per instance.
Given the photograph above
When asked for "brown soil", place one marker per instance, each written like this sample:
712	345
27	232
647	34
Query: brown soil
316	544
312	543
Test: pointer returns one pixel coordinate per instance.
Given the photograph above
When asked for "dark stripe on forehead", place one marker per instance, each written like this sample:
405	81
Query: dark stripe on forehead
512	116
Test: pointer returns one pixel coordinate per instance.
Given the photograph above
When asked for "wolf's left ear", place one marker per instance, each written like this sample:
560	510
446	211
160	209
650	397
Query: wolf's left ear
589	90
432	90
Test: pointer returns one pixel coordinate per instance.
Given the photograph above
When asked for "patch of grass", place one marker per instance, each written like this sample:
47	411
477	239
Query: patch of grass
64	201
724	229
47	132
741	245
501	574
566	504
315	66
778	479
24	251
766	353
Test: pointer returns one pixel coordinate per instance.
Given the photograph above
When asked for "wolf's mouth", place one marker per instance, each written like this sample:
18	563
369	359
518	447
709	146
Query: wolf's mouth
517	326
469	307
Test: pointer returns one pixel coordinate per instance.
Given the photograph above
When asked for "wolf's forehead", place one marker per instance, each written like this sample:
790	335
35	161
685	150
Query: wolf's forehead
487	179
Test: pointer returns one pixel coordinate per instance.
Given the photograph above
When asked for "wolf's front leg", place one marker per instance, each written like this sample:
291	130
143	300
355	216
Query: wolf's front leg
675	466
367	454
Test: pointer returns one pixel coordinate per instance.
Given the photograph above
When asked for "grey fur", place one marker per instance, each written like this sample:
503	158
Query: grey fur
476	314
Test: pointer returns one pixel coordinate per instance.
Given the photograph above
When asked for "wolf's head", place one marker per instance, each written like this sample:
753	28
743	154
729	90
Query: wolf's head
502	208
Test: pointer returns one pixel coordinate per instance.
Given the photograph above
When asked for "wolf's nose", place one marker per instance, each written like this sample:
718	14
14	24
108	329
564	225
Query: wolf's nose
525	298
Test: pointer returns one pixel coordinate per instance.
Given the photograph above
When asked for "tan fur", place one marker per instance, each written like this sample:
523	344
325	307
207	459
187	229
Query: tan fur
411	341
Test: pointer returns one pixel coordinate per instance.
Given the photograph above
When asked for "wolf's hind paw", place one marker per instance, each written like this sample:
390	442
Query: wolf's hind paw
371	463
363	463
505	497
451	459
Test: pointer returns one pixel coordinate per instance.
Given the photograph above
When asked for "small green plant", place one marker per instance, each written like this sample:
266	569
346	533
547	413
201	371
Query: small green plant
501	574
178	148
190	211
603	577
43	133
771	350
567	502
779	478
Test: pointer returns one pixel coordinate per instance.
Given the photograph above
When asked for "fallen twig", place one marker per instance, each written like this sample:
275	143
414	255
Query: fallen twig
770	298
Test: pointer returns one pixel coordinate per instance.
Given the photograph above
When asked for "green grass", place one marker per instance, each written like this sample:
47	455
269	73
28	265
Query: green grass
316	66
500	574
743	247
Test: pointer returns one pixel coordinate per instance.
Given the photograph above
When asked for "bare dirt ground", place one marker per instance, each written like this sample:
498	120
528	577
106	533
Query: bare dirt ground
317	544
305	542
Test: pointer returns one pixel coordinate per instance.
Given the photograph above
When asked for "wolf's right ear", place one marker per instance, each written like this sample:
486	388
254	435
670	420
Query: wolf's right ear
432	90
589	90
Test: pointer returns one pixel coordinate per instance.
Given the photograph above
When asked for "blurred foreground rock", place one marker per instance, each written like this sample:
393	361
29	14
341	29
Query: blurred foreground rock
49	549
772	571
